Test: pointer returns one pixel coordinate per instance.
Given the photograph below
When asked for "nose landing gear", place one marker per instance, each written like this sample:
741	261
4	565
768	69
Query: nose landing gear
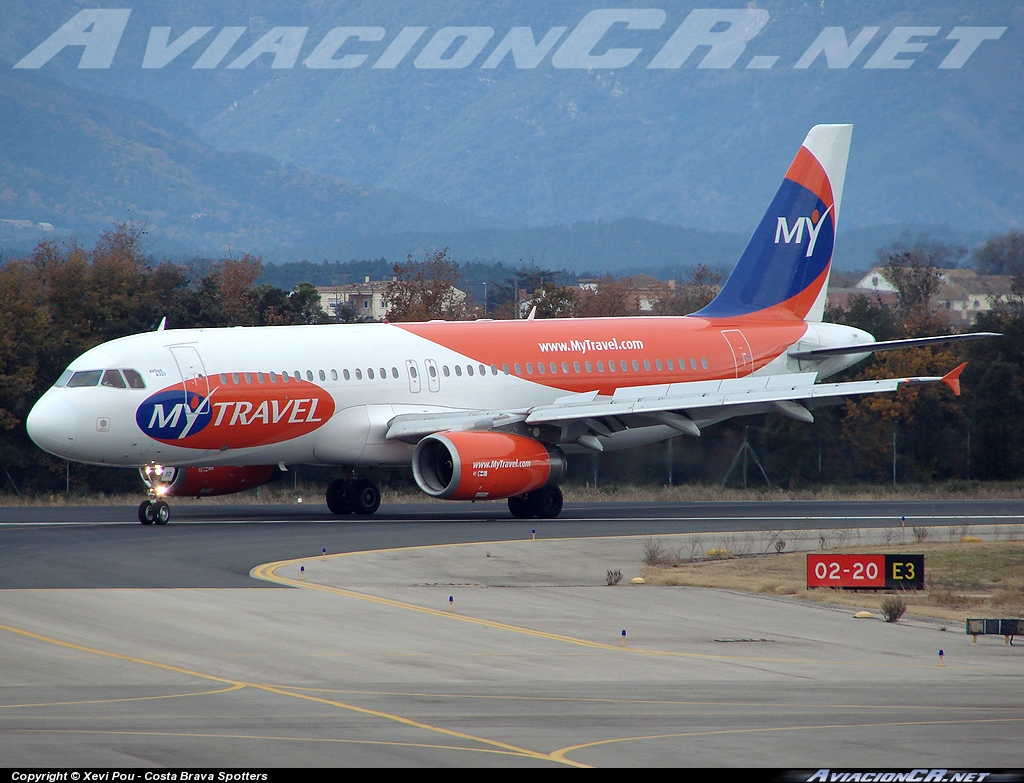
154	511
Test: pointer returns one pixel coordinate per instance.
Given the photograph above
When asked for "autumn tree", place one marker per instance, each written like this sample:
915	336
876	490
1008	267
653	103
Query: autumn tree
1001	255
301	305
915	271
607	299
426	290
235	278
696	290
553	301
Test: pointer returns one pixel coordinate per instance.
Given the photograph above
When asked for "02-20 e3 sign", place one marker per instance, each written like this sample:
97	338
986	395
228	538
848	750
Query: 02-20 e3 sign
866	572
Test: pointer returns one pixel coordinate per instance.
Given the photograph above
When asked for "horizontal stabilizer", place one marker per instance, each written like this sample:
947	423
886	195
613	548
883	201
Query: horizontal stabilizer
888	345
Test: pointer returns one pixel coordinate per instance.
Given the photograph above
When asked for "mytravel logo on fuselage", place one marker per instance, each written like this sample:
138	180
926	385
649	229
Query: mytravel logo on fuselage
230	415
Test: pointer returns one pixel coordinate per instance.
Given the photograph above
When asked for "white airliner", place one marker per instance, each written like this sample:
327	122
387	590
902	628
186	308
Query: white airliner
480	409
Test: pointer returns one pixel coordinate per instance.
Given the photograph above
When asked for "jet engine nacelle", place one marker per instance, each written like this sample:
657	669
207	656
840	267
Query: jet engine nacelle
484	465
205	482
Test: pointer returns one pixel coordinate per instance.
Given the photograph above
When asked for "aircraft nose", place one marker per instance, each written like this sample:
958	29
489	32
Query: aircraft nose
53	424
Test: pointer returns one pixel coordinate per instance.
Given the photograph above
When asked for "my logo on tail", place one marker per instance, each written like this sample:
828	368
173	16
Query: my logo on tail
783	233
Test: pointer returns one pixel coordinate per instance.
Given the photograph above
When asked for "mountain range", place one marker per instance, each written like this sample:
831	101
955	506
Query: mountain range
586	163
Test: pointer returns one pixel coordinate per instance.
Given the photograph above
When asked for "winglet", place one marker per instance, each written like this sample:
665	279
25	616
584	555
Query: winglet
952	378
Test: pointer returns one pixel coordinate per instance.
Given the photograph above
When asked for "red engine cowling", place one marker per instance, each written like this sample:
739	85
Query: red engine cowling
205	482
484	465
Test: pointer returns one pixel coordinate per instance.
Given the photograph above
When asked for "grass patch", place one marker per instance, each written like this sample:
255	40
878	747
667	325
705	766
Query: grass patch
961	579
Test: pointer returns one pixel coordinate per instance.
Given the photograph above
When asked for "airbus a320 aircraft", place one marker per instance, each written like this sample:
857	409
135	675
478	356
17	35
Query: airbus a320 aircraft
480	409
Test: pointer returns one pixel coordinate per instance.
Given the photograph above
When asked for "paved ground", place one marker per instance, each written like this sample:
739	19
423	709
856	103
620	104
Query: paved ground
365	663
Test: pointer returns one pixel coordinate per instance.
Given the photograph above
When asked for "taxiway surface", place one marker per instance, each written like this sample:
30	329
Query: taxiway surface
359	659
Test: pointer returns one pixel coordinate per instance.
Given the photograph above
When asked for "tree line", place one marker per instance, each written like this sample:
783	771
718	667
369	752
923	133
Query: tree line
63	299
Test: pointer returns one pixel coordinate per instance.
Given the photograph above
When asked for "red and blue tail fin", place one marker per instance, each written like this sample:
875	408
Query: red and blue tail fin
783	272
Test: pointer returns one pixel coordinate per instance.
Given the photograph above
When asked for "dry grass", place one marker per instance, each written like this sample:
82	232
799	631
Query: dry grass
284	492
961	579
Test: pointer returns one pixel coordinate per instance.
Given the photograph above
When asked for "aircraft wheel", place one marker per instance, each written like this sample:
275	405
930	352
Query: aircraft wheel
547	502
337	497
161	512
519	505
145	512
364	496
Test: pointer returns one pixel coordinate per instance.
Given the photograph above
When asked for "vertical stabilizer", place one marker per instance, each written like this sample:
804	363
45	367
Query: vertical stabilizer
783	272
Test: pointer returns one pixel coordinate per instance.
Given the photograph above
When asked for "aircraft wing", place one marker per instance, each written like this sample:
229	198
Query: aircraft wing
584	418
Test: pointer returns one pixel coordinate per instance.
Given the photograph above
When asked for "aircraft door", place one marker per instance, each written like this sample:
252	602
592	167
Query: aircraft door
191	368
433	376
413	371
741	353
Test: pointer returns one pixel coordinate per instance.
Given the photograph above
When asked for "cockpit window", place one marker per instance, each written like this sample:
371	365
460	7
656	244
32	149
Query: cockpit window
113	379
134	379
85	378
63	379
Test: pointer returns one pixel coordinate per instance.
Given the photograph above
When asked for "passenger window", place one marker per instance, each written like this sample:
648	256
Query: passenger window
576	367
540	368
704	363
519	369
383	374
611	366
446	371
259	377
693	364
248	377
494	369
668	363
469	369
458	370
322	375
85	378
394	372
134	378
589	366
412	371
334	375
554	368
504	369
483	370
309	375
113	379
273	377
369	373
234	378
297	375
529	368
432	370
600	366
565	367
284	377
346	375
657	363
359	374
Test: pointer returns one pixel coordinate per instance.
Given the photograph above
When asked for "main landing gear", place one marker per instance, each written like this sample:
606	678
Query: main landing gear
359	496
544	503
